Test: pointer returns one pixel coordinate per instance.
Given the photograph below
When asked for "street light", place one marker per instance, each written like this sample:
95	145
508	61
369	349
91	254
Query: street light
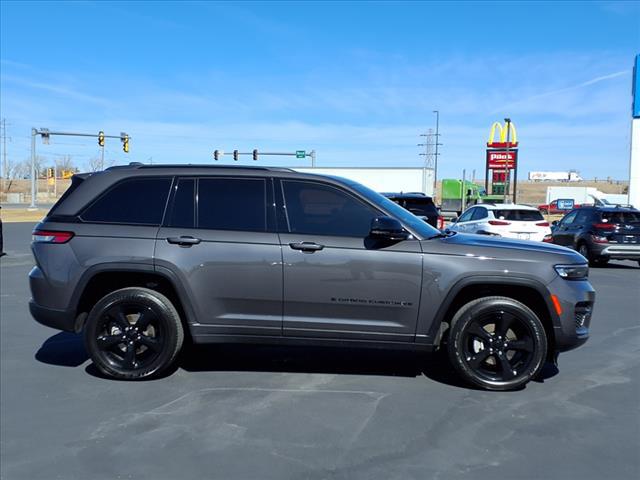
435	165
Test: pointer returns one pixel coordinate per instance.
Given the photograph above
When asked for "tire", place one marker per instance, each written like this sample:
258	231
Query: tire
133	334
583	249
497	343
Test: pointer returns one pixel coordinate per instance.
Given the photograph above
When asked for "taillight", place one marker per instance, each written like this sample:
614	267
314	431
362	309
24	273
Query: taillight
498	222
542	224
548	238
48	236
604	226
599	239
440	222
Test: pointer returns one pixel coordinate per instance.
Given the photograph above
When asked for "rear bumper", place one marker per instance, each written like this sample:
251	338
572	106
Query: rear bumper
58	319
619	251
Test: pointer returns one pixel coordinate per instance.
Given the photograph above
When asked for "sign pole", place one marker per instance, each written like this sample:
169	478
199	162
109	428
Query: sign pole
507	122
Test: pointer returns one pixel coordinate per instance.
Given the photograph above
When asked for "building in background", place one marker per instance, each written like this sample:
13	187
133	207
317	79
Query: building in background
634	160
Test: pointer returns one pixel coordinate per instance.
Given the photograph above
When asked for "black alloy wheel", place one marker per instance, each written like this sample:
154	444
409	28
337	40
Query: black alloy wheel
133	333
497	343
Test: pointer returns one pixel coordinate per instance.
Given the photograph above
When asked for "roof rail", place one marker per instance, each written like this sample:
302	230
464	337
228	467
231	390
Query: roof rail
139	165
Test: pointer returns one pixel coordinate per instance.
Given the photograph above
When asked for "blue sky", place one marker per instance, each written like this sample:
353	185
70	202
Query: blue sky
356	81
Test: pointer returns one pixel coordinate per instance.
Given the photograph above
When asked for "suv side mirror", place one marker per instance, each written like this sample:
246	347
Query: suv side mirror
388	228
555	223
454	220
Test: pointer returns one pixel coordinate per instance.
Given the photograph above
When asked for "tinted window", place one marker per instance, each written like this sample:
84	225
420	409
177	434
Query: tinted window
621	217
569	218
408	220
232	204
582	217
183	210
137	201
466	216
420	206
479	213
313	208
519	215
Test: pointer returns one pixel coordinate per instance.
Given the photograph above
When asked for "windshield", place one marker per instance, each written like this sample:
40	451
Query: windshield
621	217
519	215
419	226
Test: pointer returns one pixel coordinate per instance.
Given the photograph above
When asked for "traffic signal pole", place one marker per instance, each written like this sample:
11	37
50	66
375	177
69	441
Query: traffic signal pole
45	133
255	154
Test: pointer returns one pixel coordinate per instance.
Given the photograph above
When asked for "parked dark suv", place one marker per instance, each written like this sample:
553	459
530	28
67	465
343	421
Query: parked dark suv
600	233
139	258
419	204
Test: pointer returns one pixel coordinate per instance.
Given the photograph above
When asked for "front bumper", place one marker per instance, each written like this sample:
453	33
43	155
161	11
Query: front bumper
571	327
58	319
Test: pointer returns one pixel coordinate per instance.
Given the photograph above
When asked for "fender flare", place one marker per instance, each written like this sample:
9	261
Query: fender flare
164	272
436	331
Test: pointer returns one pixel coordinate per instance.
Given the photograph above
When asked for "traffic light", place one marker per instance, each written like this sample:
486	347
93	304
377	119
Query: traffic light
50	172
235	155
255	154
125	142
216	155
101	138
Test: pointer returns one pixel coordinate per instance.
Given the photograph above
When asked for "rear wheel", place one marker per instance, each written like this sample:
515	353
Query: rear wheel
594	261
497	343
133	333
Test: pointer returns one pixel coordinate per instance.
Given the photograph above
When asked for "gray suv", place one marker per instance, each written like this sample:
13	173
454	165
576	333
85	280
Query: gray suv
142	258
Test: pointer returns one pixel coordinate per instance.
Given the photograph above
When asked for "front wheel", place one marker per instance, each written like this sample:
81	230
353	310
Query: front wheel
133	333
497	343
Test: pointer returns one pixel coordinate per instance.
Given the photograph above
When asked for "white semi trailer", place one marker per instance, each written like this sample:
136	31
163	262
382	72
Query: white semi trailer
569	176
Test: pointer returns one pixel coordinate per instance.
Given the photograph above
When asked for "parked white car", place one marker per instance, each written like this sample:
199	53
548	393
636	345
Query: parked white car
504	220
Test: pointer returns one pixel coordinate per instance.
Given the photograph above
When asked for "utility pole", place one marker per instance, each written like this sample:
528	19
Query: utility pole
435	168
34	132
507	122
102	157
428	158
5	166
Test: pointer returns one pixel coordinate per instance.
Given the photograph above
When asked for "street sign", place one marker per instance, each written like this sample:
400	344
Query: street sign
301	154
496	159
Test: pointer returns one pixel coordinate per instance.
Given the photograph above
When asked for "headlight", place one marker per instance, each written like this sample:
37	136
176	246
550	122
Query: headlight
572	272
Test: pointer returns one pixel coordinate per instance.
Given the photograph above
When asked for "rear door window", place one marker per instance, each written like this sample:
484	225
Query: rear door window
232	204
479	213
138	201
518	215
182	214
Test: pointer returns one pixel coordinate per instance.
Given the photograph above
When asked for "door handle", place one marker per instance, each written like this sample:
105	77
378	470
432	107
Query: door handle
306	246
185	241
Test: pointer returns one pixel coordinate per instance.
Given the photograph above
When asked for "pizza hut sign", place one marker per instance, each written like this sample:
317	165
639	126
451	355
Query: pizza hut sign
497	159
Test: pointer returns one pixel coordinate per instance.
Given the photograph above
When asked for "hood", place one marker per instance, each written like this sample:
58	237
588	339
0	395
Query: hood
502	248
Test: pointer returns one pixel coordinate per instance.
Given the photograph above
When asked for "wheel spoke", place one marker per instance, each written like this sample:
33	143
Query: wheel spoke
478	358
507	369
130	356
477	331
503	322
149	342
105	342
144	319
524	344
117	315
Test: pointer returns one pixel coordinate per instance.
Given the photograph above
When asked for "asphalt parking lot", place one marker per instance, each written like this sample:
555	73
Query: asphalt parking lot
273	413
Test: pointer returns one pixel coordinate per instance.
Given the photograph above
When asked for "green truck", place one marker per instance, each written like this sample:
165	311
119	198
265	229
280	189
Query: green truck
457	195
